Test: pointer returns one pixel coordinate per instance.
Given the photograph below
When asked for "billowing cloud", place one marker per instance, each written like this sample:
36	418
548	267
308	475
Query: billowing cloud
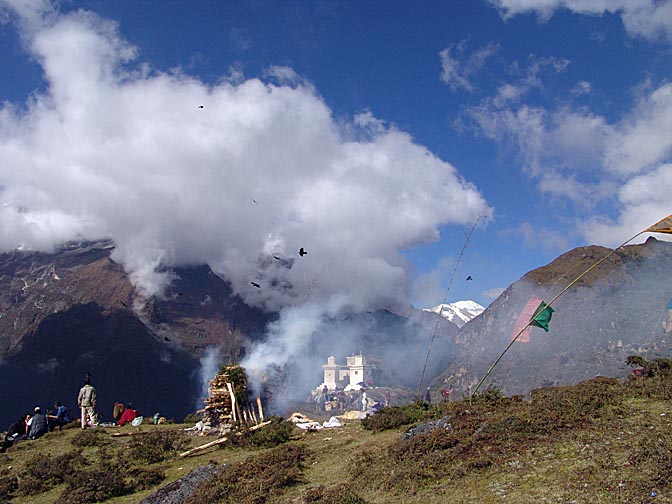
649	19
239	174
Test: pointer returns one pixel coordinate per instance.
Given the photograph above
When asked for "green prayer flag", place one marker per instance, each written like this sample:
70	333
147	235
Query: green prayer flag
544	314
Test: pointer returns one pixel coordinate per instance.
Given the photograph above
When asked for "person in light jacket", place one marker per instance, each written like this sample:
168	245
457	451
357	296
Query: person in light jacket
86	400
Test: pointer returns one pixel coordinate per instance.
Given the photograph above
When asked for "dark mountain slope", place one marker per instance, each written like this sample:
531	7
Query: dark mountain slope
127	364
618	309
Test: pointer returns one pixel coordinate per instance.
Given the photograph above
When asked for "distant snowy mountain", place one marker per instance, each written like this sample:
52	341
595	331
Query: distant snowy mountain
459	312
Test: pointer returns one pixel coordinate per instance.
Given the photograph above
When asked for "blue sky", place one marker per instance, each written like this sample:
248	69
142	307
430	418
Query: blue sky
373	133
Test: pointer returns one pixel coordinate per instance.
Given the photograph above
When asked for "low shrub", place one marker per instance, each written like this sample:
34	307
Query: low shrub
44	472
142	478
93	486
272	473
156	446
276	433
8	485
490	395
339	494
91	437
398	416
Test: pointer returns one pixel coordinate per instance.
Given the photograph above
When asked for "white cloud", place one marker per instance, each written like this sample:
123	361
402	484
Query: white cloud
644	200
539	237
649	19
117	149
582	88
457	69
644	138
575	153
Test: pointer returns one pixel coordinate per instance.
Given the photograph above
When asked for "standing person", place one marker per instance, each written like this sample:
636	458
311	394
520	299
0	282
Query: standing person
428	396
388	398
364	401
86	400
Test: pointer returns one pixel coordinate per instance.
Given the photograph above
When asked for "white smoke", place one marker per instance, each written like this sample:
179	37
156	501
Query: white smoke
209	365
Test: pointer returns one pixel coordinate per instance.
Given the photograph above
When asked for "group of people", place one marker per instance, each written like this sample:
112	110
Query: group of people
326	399
36	425
124	414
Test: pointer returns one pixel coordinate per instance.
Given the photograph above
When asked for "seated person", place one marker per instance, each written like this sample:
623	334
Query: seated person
38	424
16	432
61	418
128	415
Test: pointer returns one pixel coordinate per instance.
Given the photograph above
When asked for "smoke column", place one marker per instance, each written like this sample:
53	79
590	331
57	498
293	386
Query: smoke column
209	366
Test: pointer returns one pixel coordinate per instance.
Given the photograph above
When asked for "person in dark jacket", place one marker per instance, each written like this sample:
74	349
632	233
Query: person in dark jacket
18	431
38	424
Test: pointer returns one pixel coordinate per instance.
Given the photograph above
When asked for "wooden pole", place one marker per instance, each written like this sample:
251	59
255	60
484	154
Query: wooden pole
233	400
261	410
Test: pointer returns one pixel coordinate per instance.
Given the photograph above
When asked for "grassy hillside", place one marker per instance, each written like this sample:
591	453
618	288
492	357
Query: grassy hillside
601	441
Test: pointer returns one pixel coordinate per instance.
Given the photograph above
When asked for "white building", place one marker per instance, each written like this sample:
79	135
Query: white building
349	376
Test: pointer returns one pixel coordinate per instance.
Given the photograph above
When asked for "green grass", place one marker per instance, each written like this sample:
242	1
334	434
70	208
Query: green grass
601	441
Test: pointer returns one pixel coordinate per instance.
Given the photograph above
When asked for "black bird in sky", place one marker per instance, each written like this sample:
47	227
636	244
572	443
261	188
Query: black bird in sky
166	338
469	278
302	252
256	285
201	106
254	201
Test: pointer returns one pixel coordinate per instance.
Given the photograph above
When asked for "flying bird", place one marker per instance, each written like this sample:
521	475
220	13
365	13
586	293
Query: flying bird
124	304
166	338
302	252
469	278
254	201
256	285
201	106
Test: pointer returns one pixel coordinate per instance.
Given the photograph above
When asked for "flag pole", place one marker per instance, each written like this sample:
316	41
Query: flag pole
542	308
445	298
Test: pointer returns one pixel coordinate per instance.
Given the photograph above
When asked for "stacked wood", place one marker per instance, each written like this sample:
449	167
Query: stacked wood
228	404
227	389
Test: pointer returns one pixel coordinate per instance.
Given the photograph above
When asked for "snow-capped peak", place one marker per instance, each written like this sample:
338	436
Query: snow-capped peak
459	312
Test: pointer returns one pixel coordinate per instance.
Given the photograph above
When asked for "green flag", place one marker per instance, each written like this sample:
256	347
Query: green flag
544	314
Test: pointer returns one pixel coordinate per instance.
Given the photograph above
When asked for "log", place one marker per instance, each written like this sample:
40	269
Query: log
203	447
259	426
124	434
